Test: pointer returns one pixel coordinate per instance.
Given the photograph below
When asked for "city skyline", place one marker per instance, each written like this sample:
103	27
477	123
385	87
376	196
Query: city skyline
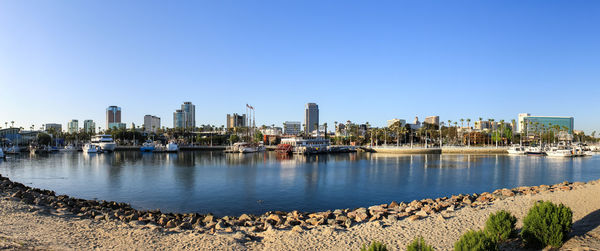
364	63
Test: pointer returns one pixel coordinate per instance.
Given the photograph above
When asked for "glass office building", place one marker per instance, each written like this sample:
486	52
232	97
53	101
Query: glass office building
563	122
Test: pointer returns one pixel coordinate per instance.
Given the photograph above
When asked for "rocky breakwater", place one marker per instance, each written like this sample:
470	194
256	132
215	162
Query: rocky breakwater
246	224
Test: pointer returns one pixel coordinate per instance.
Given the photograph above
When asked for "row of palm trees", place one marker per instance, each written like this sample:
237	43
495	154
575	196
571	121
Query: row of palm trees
441	134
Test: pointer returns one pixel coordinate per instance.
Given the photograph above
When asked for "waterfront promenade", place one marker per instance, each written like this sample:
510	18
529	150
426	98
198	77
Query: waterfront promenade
45	227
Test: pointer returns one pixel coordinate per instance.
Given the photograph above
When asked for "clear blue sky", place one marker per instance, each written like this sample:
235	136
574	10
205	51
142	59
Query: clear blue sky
359	60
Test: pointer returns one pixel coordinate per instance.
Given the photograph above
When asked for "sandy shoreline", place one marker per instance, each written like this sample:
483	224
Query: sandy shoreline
31	226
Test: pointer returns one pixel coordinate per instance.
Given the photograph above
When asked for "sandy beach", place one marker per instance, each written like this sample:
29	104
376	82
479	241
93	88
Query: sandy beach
27	226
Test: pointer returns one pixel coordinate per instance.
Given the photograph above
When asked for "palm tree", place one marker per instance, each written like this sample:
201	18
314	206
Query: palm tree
385	135
324	125
448	131
402	131
441	138
396	127
493	127
461	129
12	124
512	132
469	128
421	131
372	131
456	130
502	128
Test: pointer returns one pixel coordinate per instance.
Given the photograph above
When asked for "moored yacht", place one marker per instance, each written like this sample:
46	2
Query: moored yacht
172	147
13	150
105	141
516	150
307	146
68	148
147	146
534	150
244	147
92	148
251	148
559	152
235	148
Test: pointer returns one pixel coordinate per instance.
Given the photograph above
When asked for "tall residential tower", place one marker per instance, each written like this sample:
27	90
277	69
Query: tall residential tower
89	126
73	126
185	117
151	123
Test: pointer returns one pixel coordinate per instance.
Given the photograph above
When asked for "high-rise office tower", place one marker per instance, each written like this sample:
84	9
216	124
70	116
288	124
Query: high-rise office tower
311	118
113	117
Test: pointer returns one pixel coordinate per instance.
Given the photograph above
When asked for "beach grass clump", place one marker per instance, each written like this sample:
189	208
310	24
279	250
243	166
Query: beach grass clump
547	224
500	226
419	244
475	241
374	246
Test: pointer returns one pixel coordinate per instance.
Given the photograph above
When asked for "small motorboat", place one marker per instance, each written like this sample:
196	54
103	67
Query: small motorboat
13	150
92	148
534	150
68	148
516	150
284	149
147	146
34	149
172	147
52	149
555	152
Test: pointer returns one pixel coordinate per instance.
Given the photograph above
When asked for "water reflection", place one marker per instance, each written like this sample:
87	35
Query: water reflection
254	183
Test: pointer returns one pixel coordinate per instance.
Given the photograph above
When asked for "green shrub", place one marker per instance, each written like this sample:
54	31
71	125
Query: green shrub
500	226
547	224
375	246
419	245
475	241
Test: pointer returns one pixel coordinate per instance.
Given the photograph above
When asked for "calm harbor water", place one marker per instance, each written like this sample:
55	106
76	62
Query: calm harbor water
232	184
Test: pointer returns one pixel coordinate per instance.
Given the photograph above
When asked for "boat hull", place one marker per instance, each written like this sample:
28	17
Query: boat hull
110	147
172	148
563	155
534	153
147	148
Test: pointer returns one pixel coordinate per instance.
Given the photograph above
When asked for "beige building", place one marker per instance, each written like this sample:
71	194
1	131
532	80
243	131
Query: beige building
432	120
